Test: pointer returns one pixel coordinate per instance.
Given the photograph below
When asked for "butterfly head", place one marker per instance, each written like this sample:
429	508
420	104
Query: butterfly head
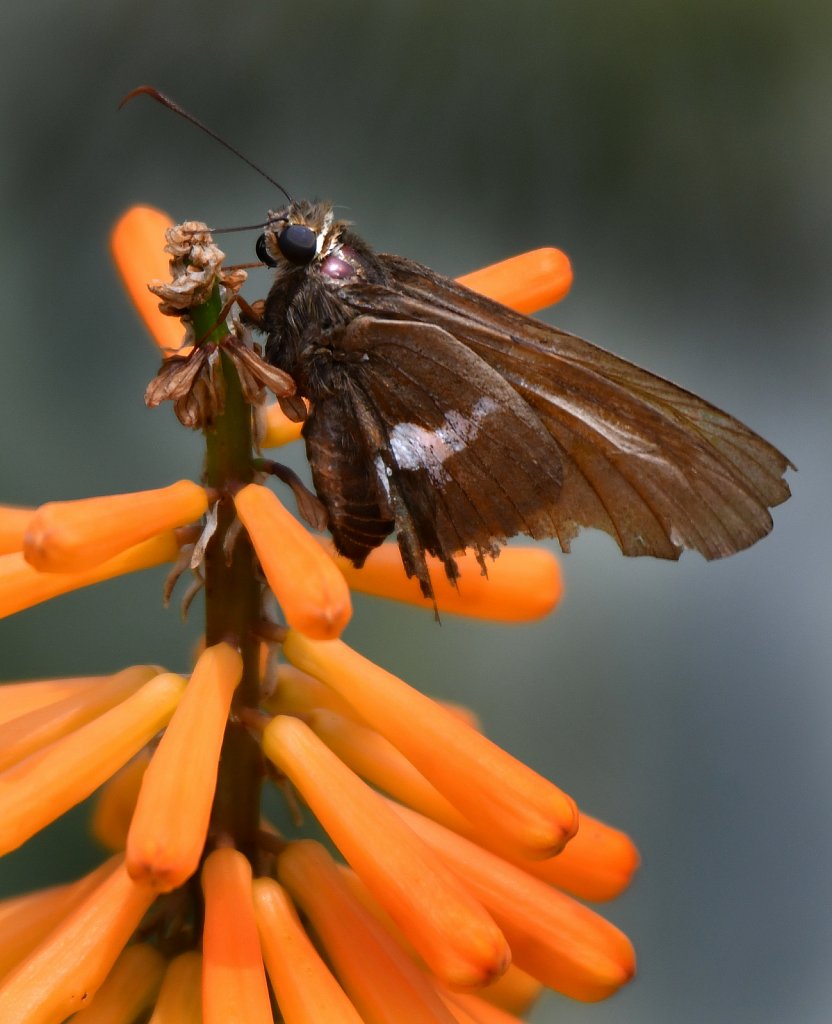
304	234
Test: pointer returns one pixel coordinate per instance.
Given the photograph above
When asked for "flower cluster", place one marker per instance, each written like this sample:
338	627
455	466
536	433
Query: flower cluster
455	895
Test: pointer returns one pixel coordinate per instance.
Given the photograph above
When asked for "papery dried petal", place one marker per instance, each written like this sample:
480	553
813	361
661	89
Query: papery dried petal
65	971
308	586
383	983
45	785
451	932
277	381
170	824
233	978
180	1000
130	988
305	990
480	779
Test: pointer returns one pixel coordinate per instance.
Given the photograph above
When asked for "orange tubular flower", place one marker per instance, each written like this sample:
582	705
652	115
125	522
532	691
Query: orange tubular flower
137	244
233	980
451	931
22	586
46	784
303	985
30	732
424	910
557	940
25	921
170	823
379	977
130	988
479	778
70	536
310	589
180	1000
65	971
13	523
522	585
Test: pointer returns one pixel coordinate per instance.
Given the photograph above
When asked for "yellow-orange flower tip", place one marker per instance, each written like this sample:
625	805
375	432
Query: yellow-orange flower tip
450	930
63	973
13	523
70	536
116	802
22	736
485	783
557	940
597	865
130	988
280	429
522	585
382	981
170	824
303	985
233	977
137	243
516	992
525	283
180	998
46	784
308	585
22	586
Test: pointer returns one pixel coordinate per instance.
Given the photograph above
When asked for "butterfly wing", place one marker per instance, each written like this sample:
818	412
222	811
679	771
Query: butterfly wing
655	466
414	432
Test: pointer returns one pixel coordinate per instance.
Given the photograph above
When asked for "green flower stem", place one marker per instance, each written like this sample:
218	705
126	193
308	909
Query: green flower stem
232	589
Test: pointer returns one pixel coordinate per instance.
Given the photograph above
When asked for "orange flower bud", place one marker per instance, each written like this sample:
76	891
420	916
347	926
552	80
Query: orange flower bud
65	971
40	788
70	536
526	283
233	979
22	586
380	979
280	429
311	591
450	930
516	992
180	1000
13	523
130	988
25	921
170	824
18	699
33	731
137	244
480	779
522	585
559	941
296	693
116	801
303	985
472	1010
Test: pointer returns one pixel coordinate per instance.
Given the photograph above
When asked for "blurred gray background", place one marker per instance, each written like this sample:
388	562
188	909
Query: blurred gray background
682	155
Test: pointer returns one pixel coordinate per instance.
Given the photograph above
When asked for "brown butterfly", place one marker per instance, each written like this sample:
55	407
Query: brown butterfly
458	423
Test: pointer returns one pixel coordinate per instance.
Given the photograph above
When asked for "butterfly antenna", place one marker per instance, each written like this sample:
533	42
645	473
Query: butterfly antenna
166	101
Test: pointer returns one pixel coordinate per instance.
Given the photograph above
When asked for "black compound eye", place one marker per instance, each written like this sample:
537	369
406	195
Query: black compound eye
298	243
263	253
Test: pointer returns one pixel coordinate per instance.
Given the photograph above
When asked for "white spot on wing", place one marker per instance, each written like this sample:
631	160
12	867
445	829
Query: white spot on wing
416	447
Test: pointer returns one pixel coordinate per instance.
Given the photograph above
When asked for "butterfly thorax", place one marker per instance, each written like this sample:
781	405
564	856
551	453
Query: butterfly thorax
306	302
